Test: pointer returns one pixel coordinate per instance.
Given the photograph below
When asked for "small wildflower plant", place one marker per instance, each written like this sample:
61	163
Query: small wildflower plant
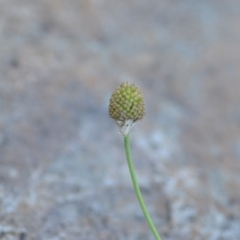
126	108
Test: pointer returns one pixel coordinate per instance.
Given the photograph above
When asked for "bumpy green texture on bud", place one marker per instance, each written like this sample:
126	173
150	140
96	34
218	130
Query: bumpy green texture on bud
126	106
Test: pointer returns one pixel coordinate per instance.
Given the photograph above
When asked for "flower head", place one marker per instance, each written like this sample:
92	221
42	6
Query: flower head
126	106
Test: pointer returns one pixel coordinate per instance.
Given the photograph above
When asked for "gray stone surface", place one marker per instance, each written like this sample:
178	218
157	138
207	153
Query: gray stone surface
63	173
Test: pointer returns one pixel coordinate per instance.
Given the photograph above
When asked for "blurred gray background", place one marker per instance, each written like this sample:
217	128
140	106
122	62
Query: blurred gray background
63	172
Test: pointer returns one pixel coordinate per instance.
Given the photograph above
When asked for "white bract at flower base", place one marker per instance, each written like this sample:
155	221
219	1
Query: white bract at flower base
125	127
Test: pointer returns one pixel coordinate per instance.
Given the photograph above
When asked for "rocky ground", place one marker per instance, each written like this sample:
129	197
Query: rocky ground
63	173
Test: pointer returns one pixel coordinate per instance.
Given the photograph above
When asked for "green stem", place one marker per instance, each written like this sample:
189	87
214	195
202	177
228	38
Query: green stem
137	189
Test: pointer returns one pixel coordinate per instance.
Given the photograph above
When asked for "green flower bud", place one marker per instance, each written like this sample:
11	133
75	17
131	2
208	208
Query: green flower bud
126	106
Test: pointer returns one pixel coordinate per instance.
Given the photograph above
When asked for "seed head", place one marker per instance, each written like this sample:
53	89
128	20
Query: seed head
126	106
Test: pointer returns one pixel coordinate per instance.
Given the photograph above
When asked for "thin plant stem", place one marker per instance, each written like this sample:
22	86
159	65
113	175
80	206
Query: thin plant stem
137	189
